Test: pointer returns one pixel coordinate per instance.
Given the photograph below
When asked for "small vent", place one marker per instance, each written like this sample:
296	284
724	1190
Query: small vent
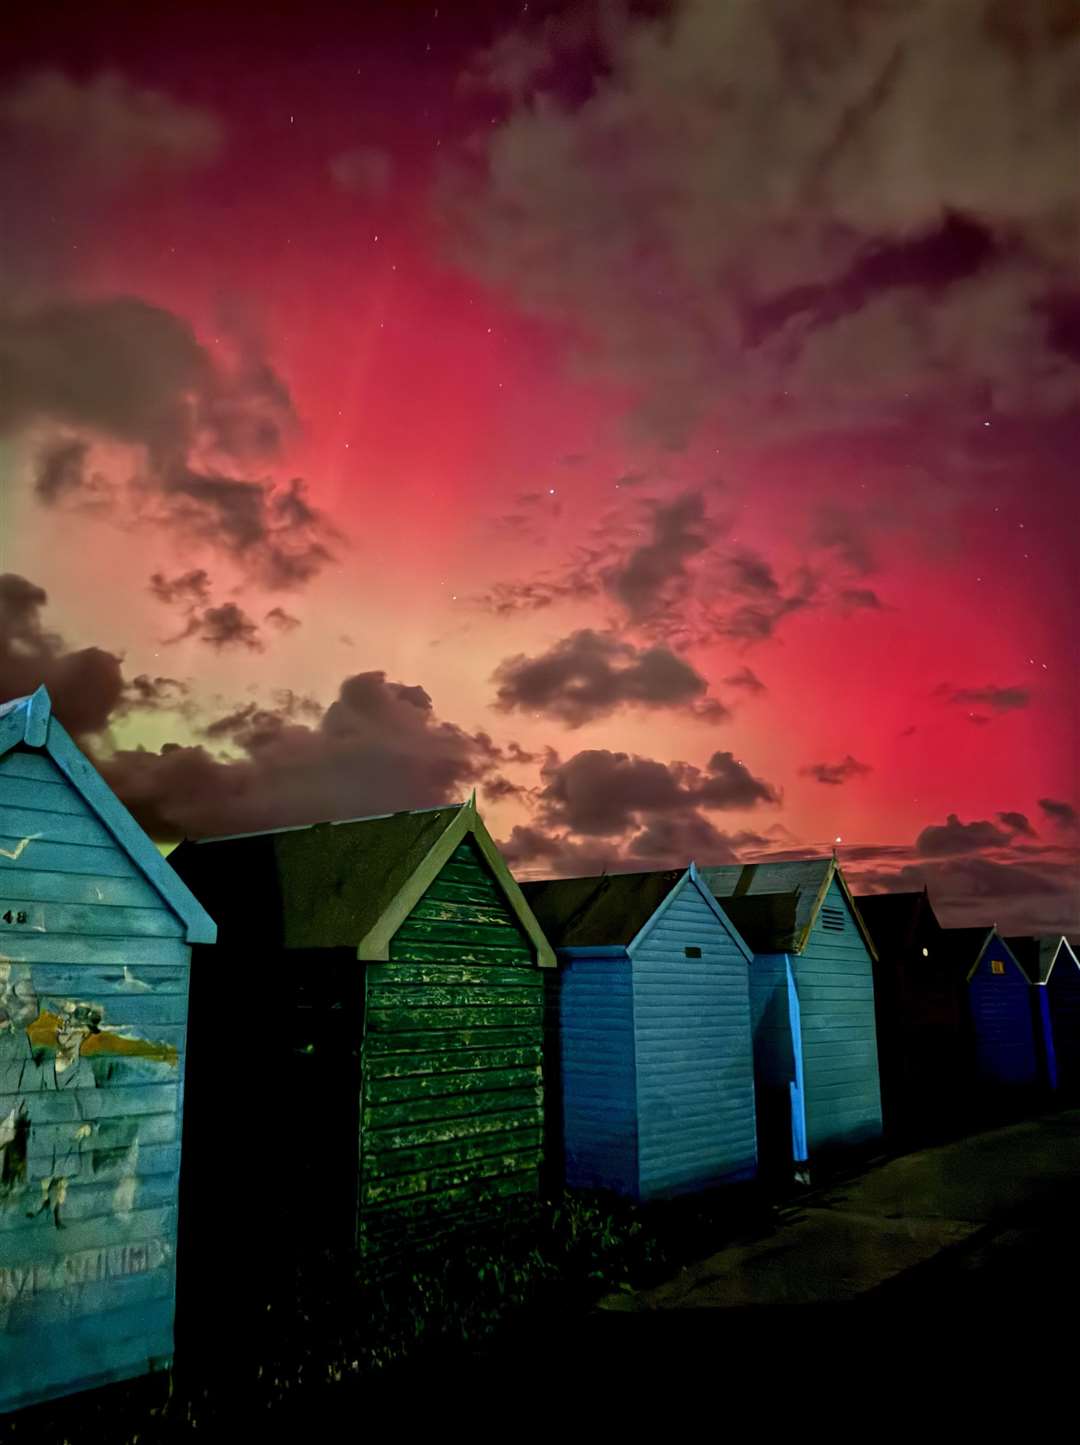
692	951
833	919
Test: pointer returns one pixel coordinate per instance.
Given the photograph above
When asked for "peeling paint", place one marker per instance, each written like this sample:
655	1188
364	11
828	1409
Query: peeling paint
23	844
133	982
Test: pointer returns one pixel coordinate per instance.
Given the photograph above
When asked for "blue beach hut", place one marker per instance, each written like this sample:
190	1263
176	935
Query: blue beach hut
95	937
1053	970
998	993
652	1057
812	996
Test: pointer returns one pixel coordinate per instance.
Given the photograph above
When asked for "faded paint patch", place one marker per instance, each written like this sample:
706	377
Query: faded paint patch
45	1029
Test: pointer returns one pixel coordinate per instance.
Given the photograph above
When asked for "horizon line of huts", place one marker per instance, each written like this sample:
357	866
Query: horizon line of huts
367	1032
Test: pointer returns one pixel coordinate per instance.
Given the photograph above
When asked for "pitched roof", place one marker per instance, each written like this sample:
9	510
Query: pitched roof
346	884
28	723
767	921
594	912
808	878
966	947
1037	956
892	918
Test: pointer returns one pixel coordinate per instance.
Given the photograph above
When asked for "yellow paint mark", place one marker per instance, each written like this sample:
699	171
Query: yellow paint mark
108	1043
43	1030
23	843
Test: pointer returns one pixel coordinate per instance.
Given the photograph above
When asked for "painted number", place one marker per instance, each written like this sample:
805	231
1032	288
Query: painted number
10	917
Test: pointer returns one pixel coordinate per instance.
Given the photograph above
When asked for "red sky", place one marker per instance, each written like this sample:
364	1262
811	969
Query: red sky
622	352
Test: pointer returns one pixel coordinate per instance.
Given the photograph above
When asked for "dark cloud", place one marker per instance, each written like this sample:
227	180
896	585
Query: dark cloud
282	620
1017	823
61	476
498	788
671	842
104	130
852	599
379	747
223	627
631	479
87	685
1061	813
937	841
826	270
836	773
839	531
192	589
577	582
530	852
908	731
651	573
747	679
757	620
590	674
156	694
365	171
134	373
1000	699
600	793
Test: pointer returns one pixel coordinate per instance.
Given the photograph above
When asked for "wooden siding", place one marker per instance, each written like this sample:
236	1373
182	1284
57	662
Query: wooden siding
1004	1028
835	984
90	1153
695	1069
452	1094
597	1067
777	1070
1063	996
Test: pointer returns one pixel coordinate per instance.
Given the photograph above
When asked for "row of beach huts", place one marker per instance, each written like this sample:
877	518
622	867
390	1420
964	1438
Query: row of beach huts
366	1032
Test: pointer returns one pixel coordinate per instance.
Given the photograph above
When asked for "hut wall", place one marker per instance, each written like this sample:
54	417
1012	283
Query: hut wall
695	1068
1004	1033
89	1114
599	1076
777	1047
834	975
452	1095
1063	994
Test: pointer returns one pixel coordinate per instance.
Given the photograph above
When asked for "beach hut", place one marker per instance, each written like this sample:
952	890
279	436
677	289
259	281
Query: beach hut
1052	968
95	938
999	1000
652	1043
925	1041
812	1002
366	1038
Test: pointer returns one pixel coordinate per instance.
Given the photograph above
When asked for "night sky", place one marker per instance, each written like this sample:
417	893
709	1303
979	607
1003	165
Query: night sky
663	418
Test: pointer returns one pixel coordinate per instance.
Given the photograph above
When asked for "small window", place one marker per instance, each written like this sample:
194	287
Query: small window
692	951
833	919
997	966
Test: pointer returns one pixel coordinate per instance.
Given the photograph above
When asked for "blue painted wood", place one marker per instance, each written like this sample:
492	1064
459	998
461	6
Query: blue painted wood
598	1073
835	984
1046	1054
93	1011
1062	992
1000	1005
656	1055
694	1049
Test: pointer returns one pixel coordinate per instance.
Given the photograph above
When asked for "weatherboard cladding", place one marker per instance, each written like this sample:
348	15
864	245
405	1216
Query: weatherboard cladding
449	1024
93	1002
1000	1004
655	1052
839	1094
695	1067
1051	967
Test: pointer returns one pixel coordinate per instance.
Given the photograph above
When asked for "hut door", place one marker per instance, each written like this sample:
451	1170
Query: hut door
321	1063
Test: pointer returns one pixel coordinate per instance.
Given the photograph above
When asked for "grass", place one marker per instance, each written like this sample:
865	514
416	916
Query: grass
319	1327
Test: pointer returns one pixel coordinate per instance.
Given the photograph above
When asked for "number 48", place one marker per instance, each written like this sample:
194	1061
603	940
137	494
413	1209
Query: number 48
10	917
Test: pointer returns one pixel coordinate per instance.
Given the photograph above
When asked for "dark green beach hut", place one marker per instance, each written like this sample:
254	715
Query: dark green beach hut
366	1039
